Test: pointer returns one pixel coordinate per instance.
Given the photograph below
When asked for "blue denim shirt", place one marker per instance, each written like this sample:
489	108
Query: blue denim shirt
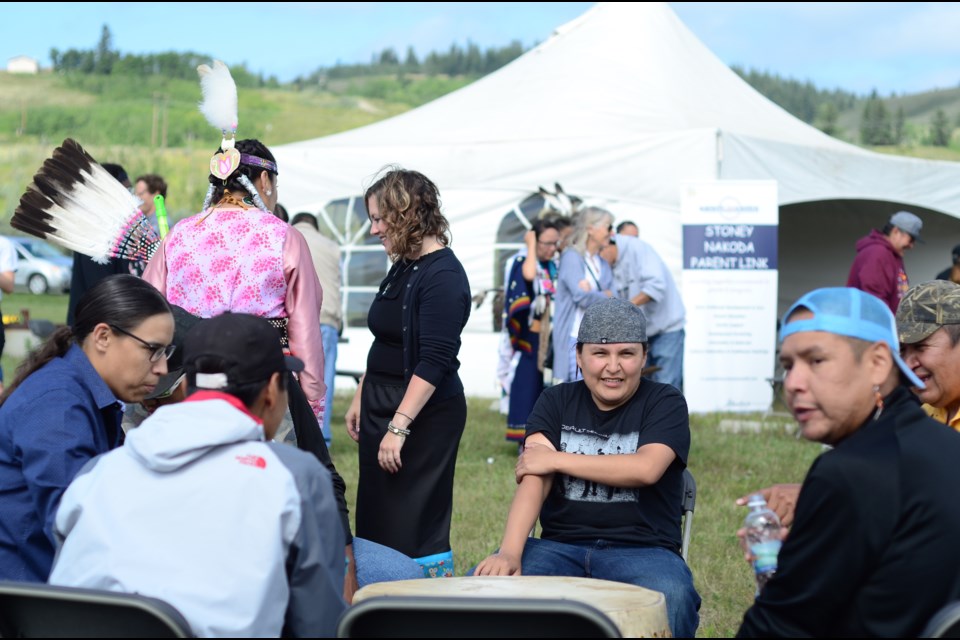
59	418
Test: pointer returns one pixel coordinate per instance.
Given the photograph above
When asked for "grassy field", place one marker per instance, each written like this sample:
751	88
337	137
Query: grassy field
51	307
725	465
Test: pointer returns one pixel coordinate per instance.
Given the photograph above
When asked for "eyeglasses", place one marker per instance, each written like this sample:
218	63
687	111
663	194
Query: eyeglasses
157	350
169	392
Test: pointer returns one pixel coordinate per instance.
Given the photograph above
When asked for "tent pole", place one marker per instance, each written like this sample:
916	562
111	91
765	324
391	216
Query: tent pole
719	154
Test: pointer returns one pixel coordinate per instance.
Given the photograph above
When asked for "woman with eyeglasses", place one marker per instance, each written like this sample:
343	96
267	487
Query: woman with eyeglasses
64	407
530	287
585	278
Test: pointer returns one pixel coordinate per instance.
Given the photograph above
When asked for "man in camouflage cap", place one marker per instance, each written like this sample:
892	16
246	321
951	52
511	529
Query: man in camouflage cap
928	325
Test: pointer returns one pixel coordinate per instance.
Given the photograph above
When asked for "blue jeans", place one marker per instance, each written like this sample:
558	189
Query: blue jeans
650	567
328	337
666	352
377	563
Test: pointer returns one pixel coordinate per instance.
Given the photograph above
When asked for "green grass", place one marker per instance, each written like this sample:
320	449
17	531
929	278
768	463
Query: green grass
51	307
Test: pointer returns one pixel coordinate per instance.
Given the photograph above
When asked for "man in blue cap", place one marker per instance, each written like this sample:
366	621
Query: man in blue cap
873	547
878	267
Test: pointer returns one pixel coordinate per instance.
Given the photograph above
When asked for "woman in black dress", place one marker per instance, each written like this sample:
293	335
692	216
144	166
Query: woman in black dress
409	410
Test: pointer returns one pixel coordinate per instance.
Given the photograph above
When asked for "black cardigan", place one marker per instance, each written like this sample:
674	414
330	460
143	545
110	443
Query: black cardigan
436	306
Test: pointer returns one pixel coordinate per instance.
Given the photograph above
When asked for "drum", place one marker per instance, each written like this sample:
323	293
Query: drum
637	612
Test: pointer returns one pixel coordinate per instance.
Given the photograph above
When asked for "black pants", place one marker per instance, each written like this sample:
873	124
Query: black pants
310	439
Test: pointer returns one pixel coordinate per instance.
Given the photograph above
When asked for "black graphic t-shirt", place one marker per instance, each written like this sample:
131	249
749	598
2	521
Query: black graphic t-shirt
578	510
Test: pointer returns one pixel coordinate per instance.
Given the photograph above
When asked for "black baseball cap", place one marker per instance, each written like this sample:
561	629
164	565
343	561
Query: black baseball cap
183	321
249	347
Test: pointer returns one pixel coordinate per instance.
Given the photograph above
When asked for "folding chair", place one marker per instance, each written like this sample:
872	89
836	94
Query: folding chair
481	617
29	610
687	504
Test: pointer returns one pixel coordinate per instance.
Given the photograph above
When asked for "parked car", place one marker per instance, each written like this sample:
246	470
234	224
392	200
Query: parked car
41	268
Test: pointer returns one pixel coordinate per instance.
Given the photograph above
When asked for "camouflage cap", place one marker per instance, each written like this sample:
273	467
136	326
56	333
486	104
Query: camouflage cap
926	308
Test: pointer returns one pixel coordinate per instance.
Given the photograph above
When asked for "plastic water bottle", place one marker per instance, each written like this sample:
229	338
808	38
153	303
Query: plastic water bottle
763	538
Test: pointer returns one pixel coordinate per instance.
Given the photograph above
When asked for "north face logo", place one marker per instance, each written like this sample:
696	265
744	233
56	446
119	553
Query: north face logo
253	461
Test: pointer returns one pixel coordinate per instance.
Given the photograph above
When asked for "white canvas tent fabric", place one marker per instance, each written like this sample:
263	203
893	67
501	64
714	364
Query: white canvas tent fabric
621	106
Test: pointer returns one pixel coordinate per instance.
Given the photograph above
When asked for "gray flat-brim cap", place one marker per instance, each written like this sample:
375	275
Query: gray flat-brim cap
613	321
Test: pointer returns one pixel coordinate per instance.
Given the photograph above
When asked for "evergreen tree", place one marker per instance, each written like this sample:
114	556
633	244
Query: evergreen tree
899	126
801	99
827	115
105	55
388	58
411	64
875	126
940	129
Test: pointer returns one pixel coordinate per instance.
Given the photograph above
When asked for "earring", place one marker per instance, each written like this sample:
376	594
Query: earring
878	401
268	192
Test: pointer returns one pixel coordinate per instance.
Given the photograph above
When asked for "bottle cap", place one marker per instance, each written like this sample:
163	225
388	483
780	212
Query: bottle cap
756	500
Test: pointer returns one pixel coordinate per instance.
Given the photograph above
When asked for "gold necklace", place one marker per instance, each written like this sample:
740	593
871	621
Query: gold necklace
228	198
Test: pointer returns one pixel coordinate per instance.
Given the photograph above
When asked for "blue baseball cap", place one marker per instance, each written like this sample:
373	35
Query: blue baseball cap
845	311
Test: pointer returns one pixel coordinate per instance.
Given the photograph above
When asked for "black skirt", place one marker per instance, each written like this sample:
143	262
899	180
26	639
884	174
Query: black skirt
408	511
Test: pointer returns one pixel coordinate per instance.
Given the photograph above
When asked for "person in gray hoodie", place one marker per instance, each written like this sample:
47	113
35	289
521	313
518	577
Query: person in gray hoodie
199	509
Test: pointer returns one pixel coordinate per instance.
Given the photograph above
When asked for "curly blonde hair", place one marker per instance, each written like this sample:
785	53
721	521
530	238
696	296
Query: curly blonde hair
409	205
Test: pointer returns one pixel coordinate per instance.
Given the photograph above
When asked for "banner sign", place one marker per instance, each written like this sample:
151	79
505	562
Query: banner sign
730	293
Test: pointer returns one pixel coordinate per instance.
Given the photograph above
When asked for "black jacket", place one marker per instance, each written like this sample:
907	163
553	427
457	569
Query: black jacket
875	545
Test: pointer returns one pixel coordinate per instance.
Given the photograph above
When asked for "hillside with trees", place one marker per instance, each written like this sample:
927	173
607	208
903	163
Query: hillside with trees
901	124
140	109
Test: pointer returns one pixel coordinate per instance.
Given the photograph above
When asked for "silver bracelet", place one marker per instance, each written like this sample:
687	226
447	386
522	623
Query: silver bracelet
394	429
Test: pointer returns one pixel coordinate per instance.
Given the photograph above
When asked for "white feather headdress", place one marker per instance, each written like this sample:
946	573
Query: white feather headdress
76	203
219	104
559	201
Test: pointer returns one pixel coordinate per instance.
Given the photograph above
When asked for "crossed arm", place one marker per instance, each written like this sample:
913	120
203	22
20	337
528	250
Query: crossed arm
524	511
535	471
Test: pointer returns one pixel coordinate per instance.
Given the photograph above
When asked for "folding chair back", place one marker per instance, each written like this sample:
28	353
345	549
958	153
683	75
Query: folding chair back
30	610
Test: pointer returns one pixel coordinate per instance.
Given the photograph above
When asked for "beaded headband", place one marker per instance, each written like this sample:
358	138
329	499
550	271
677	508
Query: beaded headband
254	161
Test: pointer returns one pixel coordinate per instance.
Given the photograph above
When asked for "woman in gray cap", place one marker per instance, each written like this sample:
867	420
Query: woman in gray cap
602	468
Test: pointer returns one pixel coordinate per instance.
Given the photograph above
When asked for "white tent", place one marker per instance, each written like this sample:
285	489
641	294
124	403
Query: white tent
620	106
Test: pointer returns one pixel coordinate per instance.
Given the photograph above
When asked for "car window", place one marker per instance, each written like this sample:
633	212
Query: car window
41	249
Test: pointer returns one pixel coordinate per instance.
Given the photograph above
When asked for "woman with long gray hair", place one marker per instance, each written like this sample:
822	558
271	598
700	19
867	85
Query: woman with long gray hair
584	279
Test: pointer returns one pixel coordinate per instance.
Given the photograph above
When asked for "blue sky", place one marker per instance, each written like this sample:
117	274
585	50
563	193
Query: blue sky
893	47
